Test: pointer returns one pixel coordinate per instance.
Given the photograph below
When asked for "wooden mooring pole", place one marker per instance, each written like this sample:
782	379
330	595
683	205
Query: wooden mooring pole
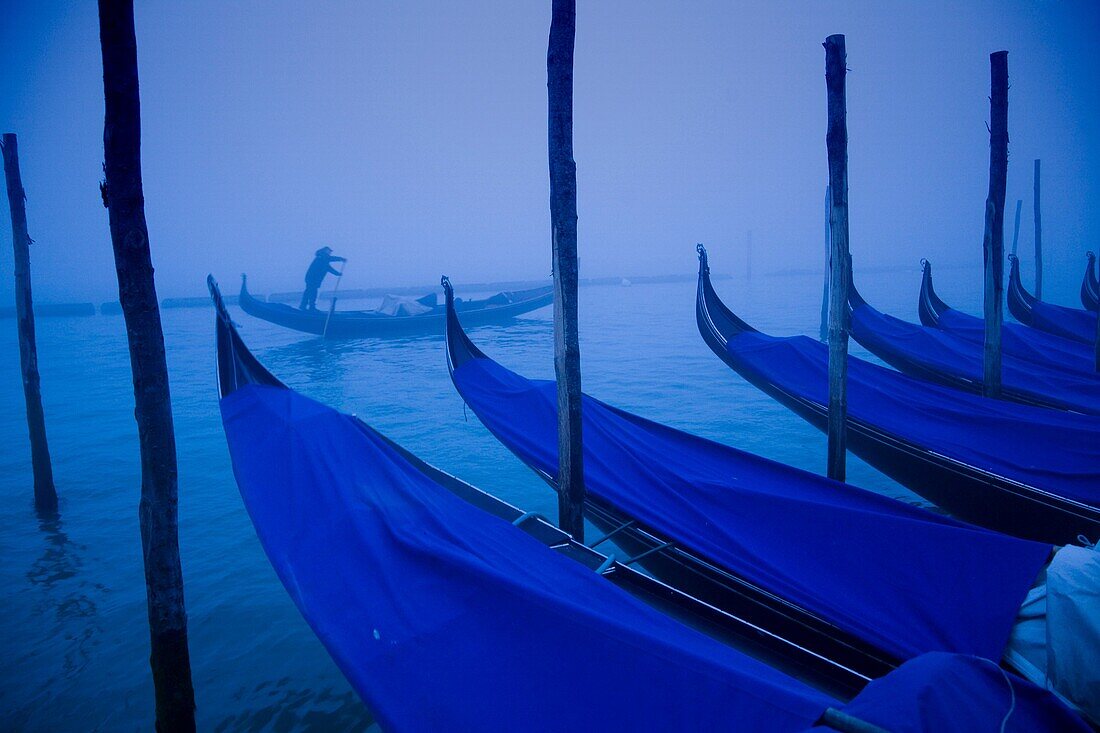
1038	214
840	263
994	241
45	493
1016	227
123	196
563	217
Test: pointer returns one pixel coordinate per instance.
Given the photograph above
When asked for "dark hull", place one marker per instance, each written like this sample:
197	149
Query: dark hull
929	305
826	652
964	491
1012	388
365	324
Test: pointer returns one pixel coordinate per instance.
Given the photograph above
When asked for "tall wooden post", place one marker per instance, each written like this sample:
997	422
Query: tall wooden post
1016	227
1038	213
840	263
991	354
122	192
994	244
824	333
563	217
45	494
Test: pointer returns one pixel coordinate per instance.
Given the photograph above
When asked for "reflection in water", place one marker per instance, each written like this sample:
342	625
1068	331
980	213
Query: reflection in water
323	361
521	333
284	708
318	350
75	613
316	358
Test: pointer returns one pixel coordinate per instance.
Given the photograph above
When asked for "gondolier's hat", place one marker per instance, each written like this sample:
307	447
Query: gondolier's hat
324	250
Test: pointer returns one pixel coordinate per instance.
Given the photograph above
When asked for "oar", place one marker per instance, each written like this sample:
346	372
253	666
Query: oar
332	306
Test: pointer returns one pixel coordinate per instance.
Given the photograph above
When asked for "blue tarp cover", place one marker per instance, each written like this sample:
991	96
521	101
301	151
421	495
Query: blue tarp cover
899	577
963	695
908	345
1073	323
1053	450
1024	342
444	617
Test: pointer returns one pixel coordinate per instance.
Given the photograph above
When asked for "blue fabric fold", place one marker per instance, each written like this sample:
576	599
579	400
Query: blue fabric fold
444	617
1056	451
1026	343
941	355
962	695
1072	323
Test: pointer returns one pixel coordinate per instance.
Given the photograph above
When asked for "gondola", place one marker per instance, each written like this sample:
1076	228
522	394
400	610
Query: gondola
885	581
1027	471
1090	286
428	319
947	358
1021	342
1071	323
448	609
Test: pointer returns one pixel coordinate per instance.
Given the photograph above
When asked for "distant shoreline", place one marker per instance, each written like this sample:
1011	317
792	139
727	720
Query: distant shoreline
872	269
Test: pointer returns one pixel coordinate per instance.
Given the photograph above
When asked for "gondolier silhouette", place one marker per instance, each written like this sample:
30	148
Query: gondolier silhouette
315	275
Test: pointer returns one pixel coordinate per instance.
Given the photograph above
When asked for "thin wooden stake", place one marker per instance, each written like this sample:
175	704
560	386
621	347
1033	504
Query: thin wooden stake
45	493
1038	213
123	196
840	263
1016	227
993	245
563	216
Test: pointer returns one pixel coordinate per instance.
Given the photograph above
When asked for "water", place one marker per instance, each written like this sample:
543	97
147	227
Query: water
73	632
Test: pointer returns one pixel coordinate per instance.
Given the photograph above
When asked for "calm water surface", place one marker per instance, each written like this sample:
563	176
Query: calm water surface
73	631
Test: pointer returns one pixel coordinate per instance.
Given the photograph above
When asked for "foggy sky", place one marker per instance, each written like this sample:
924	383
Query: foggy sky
411	136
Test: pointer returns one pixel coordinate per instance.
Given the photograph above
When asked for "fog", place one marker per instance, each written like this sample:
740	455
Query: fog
411	137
